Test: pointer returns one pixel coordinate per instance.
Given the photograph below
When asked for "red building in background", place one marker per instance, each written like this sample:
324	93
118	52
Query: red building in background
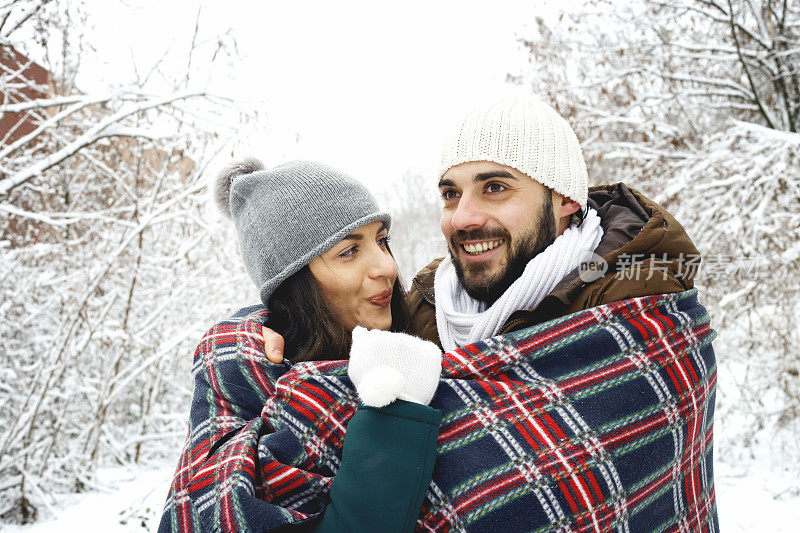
23	80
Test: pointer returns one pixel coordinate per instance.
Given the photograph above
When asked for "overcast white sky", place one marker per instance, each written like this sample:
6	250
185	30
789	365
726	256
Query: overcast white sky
365	86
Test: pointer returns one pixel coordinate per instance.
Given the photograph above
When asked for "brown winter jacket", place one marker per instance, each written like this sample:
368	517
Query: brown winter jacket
636	230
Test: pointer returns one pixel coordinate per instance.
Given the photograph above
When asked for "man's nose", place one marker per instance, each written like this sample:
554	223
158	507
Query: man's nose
467	215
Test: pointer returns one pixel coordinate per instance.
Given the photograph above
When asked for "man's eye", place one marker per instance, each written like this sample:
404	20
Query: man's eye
449	194
384	241
495	187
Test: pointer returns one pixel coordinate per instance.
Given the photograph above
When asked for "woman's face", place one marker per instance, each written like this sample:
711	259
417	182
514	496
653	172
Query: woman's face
356	276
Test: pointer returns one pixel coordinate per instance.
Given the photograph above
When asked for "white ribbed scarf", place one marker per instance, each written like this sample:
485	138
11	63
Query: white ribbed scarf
462	320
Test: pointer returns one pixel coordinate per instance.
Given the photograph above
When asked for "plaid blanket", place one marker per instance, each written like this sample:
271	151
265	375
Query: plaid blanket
598	421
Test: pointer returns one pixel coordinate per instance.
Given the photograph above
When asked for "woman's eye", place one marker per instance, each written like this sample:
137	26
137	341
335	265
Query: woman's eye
350	252
495	187
383	242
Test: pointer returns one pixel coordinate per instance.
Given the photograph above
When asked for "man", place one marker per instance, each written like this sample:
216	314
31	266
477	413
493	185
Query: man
513	175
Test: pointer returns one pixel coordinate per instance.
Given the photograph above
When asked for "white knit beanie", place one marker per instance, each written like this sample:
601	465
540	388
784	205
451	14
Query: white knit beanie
526	134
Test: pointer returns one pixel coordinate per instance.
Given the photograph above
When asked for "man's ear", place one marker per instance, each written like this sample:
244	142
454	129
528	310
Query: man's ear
564	206
563	209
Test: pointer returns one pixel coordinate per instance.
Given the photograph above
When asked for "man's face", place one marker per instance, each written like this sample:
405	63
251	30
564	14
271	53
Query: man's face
495	219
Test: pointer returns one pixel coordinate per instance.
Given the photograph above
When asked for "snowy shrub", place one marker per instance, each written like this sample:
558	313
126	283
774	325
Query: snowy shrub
739	198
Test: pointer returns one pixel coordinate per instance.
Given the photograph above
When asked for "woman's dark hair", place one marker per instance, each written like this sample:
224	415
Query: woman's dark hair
309	326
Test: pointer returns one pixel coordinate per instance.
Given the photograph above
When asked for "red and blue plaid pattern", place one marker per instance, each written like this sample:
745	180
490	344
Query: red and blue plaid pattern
598	421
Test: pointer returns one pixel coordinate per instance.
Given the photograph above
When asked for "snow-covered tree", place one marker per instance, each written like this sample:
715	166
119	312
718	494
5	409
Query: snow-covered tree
695	103
107	252
739	196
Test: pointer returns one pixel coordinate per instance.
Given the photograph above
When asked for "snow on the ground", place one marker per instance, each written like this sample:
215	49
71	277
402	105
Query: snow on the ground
752	501
130	499
756	500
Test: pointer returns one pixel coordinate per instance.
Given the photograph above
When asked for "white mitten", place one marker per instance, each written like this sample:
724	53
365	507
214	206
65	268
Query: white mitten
385	366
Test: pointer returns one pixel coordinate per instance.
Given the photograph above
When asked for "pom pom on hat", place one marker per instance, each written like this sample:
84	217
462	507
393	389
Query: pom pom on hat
222	186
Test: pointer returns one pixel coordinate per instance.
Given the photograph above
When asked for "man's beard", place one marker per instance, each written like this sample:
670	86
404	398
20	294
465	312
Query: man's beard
486	287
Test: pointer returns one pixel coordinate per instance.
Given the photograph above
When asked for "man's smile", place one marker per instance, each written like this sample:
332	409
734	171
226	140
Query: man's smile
480	250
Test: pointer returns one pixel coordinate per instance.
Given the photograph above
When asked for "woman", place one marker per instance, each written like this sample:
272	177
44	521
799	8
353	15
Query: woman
316	246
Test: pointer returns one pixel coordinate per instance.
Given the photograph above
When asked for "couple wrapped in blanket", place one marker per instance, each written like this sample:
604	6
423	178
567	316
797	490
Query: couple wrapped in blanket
598	421
572	399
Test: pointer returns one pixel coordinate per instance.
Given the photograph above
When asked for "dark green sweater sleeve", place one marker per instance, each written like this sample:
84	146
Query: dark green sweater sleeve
387	464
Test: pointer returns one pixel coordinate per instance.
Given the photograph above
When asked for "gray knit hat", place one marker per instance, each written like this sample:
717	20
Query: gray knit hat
288	215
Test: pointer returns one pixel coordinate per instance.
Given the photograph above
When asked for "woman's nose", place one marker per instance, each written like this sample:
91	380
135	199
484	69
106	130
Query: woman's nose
383	265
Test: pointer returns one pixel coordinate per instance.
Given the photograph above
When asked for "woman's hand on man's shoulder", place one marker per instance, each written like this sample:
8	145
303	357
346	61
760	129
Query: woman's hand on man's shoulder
273	345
